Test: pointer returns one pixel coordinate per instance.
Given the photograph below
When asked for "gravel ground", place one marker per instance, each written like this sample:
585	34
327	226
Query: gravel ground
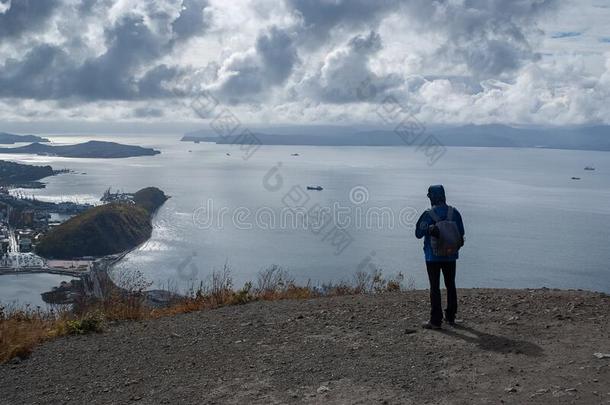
514	347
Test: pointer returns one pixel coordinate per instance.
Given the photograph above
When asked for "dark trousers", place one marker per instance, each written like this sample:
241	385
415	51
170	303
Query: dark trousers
434	275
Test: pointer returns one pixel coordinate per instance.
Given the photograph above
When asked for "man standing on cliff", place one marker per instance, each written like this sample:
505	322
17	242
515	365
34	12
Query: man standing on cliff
443	231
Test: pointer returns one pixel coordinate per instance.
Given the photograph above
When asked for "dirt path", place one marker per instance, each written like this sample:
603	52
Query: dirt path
515	347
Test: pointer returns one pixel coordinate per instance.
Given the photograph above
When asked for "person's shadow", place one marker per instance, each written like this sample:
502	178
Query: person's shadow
494	343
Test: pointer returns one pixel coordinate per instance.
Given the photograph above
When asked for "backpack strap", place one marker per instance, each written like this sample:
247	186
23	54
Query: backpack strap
433	215
436	218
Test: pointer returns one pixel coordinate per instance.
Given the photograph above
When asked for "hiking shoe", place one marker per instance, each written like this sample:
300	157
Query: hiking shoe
429	325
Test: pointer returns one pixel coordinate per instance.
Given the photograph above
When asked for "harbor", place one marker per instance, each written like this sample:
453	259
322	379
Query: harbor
37	270
23	223
85	279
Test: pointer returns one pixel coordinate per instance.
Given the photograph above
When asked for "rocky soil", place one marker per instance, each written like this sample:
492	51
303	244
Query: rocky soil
514	347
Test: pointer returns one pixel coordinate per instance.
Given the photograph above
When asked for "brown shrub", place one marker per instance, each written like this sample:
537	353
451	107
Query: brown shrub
22	329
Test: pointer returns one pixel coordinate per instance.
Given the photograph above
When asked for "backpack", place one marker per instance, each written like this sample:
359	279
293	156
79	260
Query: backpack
450	239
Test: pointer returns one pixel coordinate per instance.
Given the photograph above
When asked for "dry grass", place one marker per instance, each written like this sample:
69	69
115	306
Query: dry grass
18	336
22	329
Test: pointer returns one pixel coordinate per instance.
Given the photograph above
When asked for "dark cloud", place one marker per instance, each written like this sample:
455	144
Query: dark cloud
320	17
191	20
489	36
148	112
345	73
39	74
86	6
122	72
366	45
473	40
131	44
25	15
251	73
566	34
152	83
488	57
278	55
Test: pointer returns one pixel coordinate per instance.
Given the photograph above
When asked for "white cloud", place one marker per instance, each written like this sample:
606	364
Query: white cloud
521	62
4	6
251	73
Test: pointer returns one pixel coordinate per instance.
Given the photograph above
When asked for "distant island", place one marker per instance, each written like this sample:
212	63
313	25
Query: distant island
25	176
104	230
90	149
12	173
8	139
577	137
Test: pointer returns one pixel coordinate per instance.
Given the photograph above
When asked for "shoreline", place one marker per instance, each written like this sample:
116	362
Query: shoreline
90	280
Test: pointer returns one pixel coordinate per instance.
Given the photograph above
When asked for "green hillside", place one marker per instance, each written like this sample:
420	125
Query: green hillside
11	172
103	230
150	198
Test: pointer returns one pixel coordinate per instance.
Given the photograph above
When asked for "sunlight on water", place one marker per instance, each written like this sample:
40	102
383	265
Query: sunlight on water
528	224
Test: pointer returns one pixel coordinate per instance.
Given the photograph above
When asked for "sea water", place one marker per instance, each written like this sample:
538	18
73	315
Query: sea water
528	223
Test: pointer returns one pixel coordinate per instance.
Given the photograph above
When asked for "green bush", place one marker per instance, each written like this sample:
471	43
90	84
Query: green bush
90	323
243	296
99	231
149	198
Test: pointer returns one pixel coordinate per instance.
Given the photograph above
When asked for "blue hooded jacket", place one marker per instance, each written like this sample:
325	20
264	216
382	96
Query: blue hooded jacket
437	200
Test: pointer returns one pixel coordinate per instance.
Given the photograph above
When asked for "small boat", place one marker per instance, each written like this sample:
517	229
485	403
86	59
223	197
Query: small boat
294	154
575	178
228	154
589	168
317	188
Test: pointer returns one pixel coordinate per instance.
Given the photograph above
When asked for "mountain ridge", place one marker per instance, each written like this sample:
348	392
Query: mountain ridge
6	138
89	149
492	135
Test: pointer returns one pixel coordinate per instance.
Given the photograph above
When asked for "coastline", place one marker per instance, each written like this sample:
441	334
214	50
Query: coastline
571	272
96	283
91	280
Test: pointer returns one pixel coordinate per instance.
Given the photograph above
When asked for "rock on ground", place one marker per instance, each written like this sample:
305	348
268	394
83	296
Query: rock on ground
515	347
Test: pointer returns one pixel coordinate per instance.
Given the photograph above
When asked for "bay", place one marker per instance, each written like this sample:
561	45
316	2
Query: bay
528	224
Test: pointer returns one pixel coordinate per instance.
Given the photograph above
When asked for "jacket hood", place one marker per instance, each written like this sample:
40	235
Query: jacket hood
436	194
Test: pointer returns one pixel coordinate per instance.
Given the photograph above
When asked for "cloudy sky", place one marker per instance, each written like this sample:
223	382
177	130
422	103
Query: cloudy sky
540	62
